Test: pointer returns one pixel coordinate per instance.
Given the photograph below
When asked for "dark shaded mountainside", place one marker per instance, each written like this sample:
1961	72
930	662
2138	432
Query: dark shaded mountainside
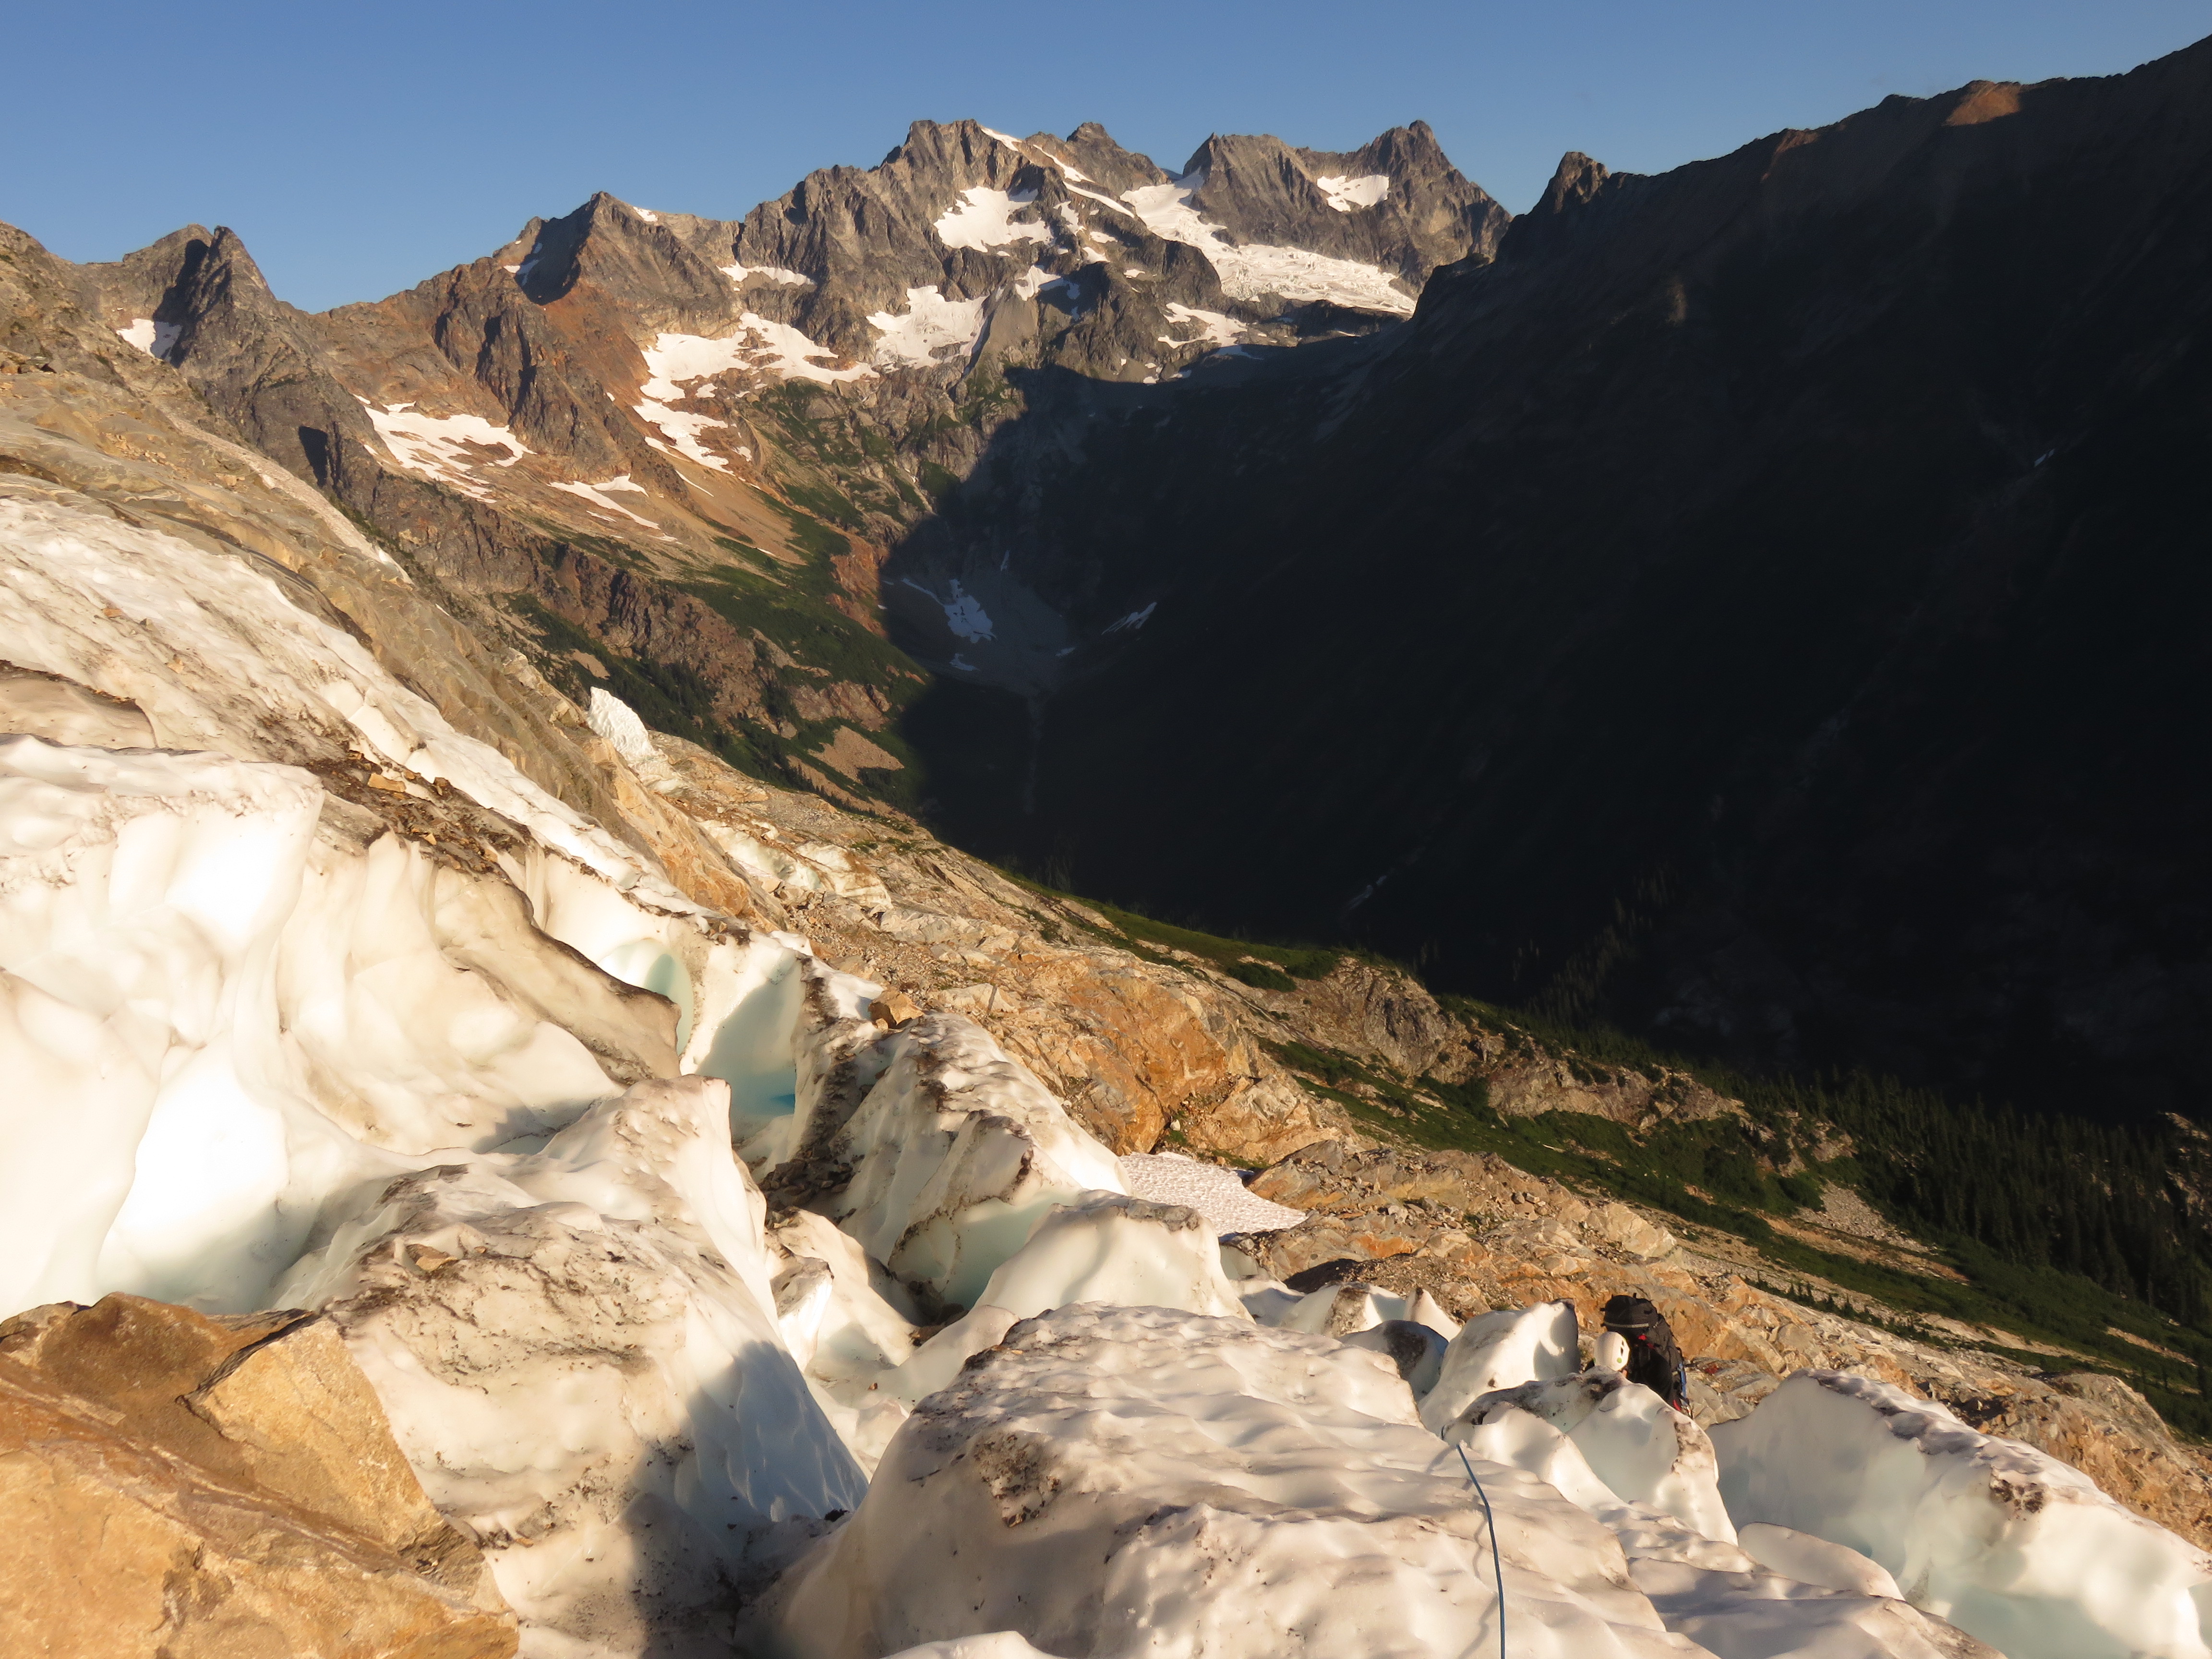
1763	608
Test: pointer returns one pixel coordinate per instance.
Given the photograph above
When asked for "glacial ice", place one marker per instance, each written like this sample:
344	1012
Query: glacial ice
998	1644
1503	1350
1761	1615
1718	1593
959	1153
1109	1248
2005	1542
1644	1451
1113	1481
579	1352
1811	1560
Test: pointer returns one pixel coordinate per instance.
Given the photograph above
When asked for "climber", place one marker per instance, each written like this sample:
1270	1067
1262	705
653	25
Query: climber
1653	1359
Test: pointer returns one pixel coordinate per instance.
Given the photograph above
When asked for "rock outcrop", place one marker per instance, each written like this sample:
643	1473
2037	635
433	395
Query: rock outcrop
176	1485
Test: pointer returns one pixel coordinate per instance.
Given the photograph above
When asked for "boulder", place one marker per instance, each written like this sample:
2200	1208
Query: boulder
186	1486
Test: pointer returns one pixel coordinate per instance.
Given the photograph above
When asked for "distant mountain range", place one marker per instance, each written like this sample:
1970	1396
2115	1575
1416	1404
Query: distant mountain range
1762	605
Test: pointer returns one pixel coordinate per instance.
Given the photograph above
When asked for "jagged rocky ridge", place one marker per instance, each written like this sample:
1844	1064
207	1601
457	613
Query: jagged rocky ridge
674	450
325	1003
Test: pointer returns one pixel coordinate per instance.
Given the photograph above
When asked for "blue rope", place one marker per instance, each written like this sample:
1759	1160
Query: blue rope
1497	1567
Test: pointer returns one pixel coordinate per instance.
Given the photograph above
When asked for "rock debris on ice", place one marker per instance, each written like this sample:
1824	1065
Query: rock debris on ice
1112	1481
579	1348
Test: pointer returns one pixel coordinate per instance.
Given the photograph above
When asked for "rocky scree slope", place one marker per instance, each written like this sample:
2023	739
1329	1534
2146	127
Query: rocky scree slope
1750	608
668	454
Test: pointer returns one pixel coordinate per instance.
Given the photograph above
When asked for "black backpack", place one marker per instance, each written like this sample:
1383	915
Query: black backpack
1654	1359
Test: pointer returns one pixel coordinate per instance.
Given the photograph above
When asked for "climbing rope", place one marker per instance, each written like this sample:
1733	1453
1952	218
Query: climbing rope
1497	1567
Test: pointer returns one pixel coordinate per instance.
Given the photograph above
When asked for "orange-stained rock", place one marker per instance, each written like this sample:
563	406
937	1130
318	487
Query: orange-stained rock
180	1486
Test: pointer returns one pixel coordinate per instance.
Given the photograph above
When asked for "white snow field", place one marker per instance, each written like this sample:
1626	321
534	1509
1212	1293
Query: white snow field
982	219
1258	270
930	324
504	1117
1213	1192
439	446
1345	194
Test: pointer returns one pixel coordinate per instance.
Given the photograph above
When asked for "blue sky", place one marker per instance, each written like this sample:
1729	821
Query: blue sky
360	149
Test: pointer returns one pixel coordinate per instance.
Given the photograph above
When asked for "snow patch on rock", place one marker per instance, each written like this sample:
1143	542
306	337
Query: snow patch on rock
595	494
1214	328
930	324
741	274
1345	194
982	219
1259	270
155	339
674	362
964	612
446	448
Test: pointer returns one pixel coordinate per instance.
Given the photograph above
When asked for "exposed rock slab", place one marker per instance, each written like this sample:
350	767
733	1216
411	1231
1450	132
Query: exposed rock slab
185	1486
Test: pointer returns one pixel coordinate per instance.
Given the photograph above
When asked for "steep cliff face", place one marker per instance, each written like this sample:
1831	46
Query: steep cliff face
1752	607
